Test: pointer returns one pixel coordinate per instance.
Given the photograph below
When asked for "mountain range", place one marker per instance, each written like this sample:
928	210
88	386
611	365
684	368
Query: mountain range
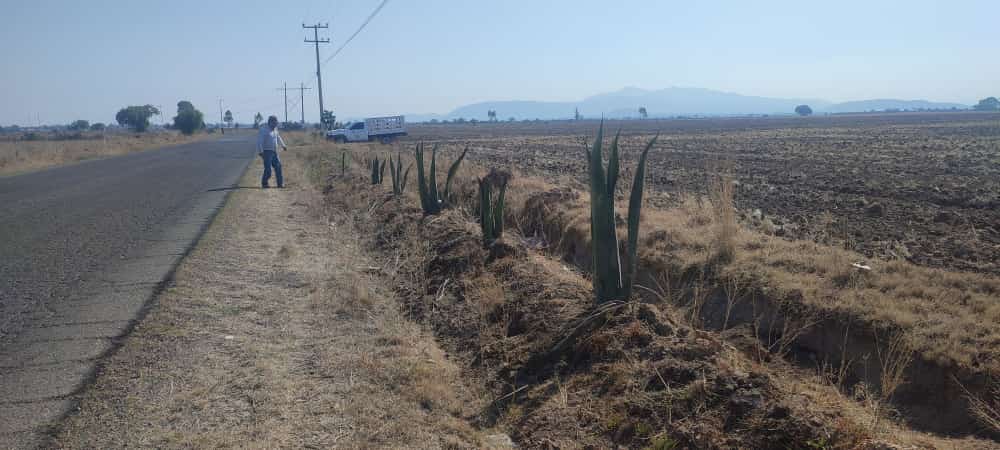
671	102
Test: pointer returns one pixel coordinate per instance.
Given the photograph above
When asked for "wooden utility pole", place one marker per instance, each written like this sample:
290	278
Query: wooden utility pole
319	76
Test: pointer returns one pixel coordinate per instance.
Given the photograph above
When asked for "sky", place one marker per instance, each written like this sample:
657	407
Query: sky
67	60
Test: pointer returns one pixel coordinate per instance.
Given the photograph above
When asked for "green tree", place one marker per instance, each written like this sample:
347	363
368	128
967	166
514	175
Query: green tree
803	110
188	119
97	126
79	125
136	117
229	118
642	112
257	120
988	104
328	119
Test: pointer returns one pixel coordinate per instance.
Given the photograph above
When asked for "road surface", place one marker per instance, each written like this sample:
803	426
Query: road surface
82	250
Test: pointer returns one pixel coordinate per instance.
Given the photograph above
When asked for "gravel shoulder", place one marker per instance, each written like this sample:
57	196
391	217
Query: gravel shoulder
276	332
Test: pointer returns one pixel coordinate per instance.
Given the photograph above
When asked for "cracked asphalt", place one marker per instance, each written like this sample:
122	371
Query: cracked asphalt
83	249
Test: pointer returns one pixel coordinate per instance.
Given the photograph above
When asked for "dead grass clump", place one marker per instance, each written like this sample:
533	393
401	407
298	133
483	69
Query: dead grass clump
721	194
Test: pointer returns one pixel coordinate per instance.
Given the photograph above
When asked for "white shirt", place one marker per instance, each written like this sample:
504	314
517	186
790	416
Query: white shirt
268	140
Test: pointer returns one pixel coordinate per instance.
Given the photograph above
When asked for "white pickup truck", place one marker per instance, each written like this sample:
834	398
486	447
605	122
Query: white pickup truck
385	129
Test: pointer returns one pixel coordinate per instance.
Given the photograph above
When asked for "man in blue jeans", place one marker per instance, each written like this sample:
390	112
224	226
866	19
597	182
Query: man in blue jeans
268	141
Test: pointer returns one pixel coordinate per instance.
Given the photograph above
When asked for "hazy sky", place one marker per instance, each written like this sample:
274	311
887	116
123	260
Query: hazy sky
65	60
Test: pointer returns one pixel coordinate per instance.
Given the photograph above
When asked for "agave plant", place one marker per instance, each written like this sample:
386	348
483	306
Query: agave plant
378	170
398	176
611	282
491	211
343	164
431	200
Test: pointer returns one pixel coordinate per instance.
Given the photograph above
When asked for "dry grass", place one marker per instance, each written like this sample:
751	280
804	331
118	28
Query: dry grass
721	195
17	156
278	332
946	316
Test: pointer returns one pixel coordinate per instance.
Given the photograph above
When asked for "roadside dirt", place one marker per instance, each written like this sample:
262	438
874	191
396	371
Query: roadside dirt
277	333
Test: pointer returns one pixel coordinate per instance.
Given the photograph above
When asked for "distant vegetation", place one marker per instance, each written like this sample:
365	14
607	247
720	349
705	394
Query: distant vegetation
988	104
803	110
188	119
136	117
79	125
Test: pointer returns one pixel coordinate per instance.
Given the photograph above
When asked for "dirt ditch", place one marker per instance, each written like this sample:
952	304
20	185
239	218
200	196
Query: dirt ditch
565	373
927	392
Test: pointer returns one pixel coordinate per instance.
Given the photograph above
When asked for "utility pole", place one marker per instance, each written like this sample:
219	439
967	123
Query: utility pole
285	88
302	102
221	118
302	88
319	77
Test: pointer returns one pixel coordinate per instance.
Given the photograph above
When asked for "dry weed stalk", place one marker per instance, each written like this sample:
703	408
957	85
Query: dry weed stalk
721	197
894	360
733	288
985	409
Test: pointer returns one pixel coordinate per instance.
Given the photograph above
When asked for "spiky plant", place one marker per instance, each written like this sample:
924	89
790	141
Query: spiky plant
491	211
378	170
398	176
431	200
343	164
611	282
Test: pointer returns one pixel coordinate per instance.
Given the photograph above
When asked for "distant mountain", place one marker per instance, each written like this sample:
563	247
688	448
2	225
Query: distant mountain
886	104
670	102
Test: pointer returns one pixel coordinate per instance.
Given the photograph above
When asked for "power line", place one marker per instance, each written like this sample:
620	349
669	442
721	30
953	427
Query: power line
358	31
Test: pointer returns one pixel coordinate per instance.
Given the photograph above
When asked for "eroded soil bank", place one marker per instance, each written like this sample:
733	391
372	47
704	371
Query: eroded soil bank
564	373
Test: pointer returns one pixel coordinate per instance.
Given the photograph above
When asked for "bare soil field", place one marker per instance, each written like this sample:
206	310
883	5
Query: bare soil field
924	187
804	336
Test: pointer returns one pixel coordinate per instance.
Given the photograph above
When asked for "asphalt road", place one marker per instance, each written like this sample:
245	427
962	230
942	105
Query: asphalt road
82	250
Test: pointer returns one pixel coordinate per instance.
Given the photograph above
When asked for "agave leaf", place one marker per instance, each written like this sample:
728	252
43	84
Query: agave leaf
432	187
392	174
485	216
613	166
634	210
418	155
406	175
498	212
451	174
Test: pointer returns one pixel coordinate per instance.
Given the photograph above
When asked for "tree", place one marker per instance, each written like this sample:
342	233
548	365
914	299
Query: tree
136	117
79	125
97	126
642	112
492	115
328	120
576	114
988	104
228	118
257	120
188	119
803	110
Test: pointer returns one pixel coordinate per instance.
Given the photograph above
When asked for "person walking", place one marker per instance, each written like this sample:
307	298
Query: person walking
268	141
